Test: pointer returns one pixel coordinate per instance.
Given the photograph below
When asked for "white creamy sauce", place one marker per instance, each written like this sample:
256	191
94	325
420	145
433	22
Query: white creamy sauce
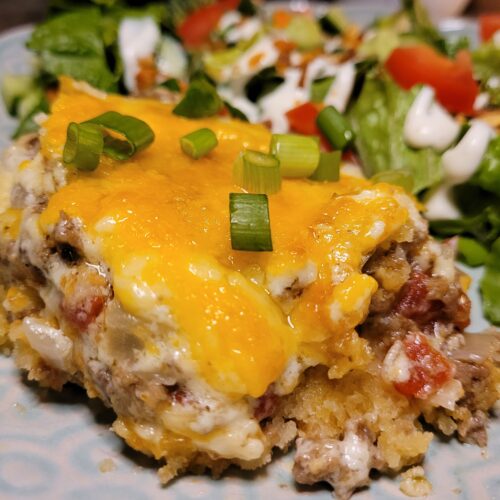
496	38
481	101
285	97
260	55
341	89
440	205
51	343
172	60
244	31
460	162
229	19
239	101
319	67
137	39
428	124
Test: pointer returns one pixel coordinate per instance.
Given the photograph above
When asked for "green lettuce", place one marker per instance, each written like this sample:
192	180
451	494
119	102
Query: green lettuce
377	118
72	44
490	285
486	64
487	174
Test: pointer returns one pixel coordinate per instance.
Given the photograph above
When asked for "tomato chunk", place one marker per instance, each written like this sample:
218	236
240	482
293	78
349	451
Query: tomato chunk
489	24
196	28
302	119
452	80
429	369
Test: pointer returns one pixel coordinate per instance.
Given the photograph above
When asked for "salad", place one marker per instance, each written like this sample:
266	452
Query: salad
396	100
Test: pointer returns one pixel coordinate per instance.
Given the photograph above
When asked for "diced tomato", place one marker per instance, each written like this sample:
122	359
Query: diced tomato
489	24
429	369
302	119
452	80
281	19
196	28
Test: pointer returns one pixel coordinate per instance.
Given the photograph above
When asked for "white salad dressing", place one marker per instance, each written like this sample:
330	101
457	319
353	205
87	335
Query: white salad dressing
460	162
229	19
428	124
172	60
244	31
285	97
341	89
496	38
137	39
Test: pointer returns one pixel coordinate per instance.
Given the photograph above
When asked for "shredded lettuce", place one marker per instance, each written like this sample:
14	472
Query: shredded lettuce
486	63
487	175
378	119
201	100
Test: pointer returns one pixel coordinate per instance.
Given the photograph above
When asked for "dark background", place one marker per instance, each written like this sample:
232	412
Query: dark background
16	12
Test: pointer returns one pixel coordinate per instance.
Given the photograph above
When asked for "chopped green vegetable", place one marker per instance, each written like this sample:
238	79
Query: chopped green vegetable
490	285
262	83
27	124
84	146
335	127
377	118
201	100
472	252
171	84
14	88
305	32
247	8
199	143
137	134
380	45
249	222
257	172
328	169
320	88
486	64
298	155
488	172
397	177
334	21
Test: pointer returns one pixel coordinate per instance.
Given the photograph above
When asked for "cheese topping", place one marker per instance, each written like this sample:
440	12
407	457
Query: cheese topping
161	223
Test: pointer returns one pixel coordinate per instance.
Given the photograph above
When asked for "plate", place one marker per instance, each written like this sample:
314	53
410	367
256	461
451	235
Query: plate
59	446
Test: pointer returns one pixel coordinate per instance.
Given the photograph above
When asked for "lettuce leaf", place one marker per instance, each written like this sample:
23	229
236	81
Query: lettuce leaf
486	64
72	44
377	119
490	285
487	175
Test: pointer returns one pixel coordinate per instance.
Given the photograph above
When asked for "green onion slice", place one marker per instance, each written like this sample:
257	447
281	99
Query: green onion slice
335	127
199	143
328	168
257	172
398	177
250	224
84	145
137	134
298	154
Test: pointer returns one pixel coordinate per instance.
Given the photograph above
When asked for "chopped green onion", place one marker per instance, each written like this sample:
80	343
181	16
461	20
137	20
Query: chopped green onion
328	168
84	145
472	252
199	143
171	84
298	154
201	100
250	224
320	88
335	127
305	32
138	134
257	172
397	177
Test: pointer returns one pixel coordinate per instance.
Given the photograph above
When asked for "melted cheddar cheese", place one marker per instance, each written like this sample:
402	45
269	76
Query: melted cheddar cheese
160	222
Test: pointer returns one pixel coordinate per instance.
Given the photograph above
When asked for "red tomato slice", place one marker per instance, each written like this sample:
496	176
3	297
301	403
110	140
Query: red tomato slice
429	369
452	80
302	120
489	24
195	30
